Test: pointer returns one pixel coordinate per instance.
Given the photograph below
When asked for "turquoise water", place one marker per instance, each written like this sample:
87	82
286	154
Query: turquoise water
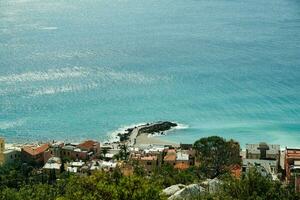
81	69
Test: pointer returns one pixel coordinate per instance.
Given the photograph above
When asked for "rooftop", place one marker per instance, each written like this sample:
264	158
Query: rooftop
255	148
10	151
52	166
259	162
149	158
35	150
87	144
170	157
68	147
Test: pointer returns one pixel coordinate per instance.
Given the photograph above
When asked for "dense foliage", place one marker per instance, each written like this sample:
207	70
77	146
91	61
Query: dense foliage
100	185
113	186
253	186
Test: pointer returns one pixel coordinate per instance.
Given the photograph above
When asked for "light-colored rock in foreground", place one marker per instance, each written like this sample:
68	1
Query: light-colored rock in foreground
175	193
169	191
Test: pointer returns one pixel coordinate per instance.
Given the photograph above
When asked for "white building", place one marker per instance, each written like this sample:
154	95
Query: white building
53	163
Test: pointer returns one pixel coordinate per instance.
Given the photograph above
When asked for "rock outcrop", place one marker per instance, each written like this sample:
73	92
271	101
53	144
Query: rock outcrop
186	192
157	127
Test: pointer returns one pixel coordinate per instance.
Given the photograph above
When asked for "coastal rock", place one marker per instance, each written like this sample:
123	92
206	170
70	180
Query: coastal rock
157	127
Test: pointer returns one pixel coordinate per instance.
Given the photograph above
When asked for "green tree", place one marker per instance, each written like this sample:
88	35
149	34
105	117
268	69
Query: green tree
216	154
124	152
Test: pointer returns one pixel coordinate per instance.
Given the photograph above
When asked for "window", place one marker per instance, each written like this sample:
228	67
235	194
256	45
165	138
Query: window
149	163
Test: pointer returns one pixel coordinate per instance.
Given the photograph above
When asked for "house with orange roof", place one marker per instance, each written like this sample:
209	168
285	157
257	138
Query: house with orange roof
90	146
35	154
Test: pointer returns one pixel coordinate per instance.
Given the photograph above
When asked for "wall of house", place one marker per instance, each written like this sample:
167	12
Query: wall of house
149	165
12	157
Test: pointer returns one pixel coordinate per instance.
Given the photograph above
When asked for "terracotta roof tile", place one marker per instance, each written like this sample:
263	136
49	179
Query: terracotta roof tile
87	144
35	150
149	158
170	157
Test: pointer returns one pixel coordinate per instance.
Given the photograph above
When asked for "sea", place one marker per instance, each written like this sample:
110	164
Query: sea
76	70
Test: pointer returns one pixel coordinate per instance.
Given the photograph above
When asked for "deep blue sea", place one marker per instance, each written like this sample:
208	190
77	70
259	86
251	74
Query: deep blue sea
72	70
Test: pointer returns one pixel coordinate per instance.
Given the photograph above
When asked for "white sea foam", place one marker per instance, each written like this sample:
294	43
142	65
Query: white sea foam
113	136
179	126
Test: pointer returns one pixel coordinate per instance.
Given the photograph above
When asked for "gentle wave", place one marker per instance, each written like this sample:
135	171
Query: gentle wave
51	74
86	79
63	89
79	72
11	124
48	28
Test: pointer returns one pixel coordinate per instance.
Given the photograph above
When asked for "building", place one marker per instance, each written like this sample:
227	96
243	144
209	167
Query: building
35	155
11	156
53	164
102	165
267	168
55	149
148	162
292	166
186	146
74	167
2	148
91	147
182	160
263	151
70	152
170	157
83	151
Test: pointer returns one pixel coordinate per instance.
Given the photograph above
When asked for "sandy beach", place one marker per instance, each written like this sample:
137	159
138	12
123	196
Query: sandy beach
143	139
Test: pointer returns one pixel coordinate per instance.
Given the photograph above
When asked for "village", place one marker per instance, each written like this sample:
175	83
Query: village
88	156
